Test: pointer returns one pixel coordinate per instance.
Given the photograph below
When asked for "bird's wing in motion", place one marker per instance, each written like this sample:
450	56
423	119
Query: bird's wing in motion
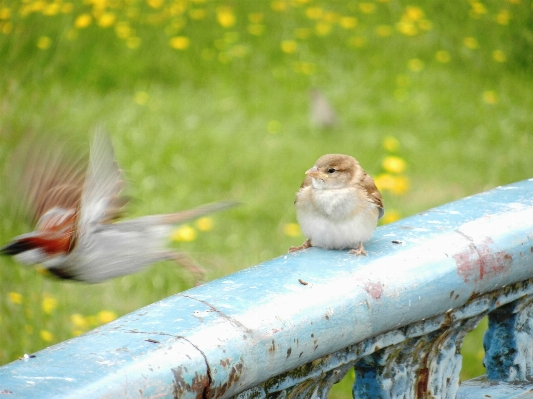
46	175
100	197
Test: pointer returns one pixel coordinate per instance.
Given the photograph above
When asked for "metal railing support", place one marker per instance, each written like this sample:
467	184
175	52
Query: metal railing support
293	326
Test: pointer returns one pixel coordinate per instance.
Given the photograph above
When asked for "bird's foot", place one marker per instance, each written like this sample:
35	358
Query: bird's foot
305	245
359	250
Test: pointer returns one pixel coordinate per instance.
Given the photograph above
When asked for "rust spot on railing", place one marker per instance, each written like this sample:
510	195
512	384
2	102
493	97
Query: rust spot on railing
422	383
198	385
478	261
374	289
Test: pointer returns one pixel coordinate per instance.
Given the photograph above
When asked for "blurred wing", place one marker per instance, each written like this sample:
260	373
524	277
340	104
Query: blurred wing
100	201
184	216
373	193
46	175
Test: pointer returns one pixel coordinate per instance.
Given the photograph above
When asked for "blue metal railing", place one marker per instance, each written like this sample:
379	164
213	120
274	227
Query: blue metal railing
293	326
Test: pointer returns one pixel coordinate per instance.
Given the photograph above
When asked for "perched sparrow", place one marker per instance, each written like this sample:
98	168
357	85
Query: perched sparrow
321	112
75	208
338	205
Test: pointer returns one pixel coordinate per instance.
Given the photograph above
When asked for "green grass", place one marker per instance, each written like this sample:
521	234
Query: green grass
227	118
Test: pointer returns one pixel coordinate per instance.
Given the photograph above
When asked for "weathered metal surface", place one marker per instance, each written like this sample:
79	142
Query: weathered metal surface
261	332
483	388
508	342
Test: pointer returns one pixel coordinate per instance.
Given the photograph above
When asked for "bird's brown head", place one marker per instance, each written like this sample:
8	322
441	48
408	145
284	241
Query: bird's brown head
334	171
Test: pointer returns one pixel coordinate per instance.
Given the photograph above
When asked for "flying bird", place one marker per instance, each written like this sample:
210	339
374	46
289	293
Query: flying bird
338	205
75	208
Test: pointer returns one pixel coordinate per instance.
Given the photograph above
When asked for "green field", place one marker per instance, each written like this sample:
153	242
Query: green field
209	100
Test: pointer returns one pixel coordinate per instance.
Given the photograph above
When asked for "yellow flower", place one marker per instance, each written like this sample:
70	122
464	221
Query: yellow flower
383	30
106	316
51	9
477	9
391	144
15	297
499	56
400	185
442	56
384	181
278	5
367	8
123	30
46	335
289	46
490	97
393	164
413	13
83	21
5	13
44	42
292	230
79	321
155	3
49	304
225	17
322	28
204	224
106	20
390	216
184	233
307	68
67	8
348	22
180	42
7	27
314	12
503	17
141	97
331	17
471	42
415	65
407	28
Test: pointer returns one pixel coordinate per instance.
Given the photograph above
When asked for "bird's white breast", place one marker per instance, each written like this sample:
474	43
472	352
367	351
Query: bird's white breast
335	219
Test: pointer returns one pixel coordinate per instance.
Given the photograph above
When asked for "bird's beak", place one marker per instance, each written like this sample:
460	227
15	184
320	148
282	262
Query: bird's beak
317	174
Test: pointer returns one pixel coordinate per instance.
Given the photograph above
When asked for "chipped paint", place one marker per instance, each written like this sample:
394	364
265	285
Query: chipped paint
198	386
400	314
478	261
374	289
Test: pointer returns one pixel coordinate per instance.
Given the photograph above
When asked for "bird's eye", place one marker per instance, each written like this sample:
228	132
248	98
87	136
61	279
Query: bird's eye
331	170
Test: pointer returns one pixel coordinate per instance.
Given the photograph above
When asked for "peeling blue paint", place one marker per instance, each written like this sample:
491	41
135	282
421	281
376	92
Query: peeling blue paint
399	315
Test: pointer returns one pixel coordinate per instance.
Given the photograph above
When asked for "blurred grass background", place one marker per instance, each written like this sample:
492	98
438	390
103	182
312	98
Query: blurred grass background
209	100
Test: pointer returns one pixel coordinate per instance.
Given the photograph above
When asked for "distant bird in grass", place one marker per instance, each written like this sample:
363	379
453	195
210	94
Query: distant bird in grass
338	205
75	207
321	112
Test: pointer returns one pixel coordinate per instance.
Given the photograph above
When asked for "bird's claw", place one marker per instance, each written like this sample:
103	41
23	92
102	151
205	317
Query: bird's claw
358	251
305	245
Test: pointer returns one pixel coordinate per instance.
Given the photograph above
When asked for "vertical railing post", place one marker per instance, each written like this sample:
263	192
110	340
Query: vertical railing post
508	342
